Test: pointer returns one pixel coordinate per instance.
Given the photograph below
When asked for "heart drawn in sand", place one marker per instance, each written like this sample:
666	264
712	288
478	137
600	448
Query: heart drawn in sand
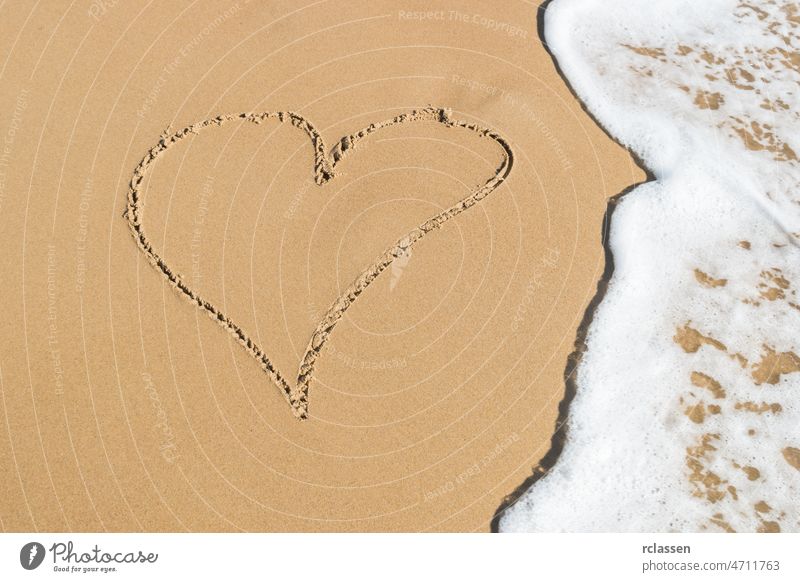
324	165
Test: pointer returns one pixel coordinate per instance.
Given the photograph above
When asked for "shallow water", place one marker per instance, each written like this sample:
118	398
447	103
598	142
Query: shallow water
686	414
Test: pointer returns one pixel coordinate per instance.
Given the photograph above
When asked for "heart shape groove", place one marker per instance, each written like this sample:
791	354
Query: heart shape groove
324	165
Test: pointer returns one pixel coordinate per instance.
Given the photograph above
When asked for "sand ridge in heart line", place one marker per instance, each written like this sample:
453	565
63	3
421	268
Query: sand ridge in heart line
324	165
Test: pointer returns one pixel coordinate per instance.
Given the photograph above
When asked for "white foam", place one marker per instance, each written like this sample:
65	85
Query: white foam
631	461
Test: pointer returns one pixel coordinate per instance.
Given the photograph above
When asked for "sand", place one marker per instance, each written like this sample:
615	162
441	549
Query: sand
126	408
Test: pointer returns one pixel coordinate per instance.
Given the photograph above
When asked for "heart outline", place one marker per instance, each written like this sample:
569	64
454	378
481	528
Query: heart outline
324	166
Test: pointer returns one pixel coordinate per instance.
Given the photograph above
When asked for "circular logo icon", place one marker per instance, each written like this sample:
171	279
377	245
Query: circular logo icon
31	555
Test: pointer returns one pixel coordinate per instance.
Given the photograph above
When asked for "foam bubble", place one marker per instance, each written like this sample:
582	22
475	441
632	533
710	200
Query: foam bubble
687	408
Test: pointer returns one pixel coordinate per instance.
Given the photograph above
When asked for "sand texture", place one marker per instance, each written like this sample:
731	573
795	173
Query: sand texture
287	266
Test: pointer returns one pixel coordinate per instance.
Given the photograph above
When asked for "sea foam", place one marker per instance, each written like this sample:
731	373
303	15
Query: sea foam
687	410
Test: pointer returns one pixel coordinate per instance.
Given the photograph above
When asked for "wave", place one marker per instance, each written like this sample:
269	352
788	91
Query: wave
686	411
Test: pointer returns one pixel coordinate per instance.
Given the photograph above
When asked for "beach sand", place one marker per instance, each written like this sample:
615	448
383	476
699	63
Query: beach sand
125	407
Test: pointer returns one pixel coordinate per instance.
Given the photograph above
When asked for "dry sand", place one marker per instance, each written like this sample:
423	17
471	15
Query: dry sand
125	407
